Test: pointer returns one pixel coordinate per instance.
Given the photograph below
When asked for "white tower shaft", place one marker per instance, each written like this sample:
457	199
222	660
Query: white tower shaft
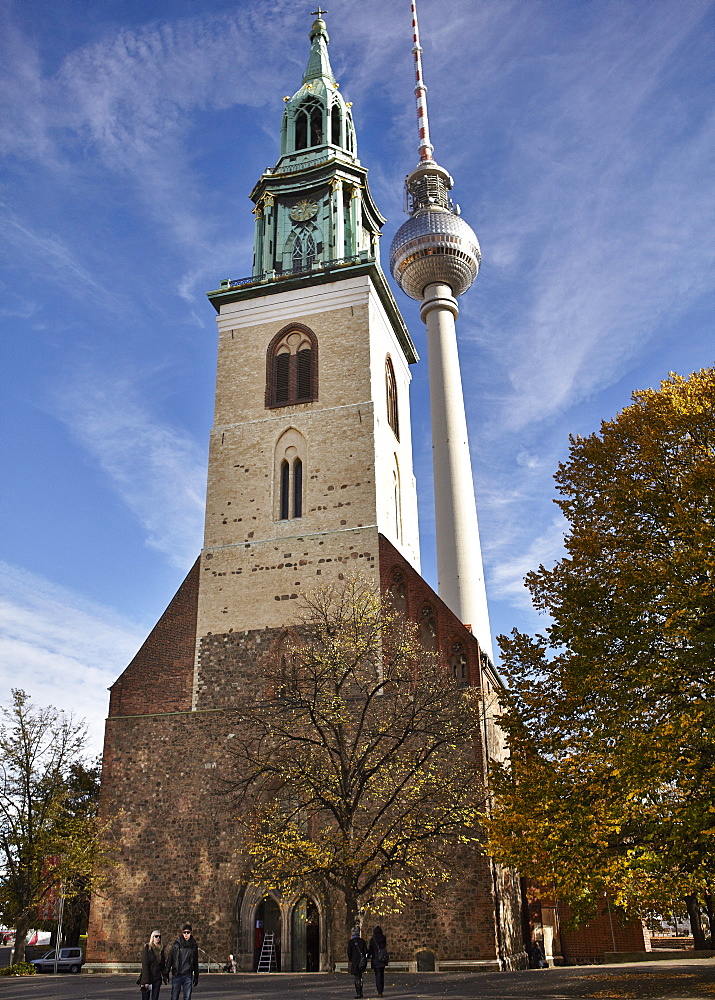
459	557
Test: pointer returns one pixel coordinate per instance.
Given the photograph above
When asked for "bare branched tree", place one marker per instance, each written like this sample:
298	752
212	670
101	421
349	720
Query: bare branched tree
354	760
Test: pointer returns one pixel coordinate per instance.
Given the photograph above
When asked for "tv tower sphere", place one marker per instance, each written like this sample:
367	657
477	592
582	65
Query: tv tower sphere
435	244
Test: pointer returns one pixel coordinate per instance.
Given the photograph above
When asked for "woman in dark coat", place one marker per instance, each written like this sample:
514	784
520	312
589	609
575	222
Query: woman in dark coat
377	953
357	957
153	967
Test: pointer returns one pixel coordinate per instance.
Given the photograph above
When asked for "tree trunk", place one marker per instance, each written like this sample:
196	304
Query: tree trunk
352	913
710	907
696	927
18	952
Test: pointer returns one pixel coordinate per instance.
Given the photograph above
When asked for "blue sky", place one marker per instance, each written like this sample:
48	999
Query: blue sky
580	135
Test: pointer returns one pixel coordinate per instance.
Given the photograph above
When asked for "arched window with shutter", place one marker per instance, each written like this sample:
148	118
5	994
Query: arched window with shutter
292	367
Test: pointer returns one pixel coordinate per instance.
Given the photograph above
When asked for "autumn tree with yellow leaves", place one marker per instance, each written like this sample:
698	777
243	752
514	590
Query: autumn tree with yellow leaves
354	764
611	713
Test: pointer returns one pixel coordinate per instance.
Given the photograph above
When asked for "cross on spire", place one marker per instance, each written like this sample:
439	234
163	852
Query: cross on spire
319	12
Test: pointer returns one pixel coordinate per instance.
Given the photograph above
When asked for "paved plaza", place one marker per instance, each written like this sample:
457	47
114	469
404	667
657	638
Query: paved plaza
676	980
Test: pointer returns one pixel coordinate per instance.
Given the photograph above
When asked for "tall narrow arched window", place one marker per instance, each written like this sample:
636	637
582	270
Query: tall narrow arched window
298	254
397	500
309	250
301	130
285	490
289	482
335	125
292	367
393	416
398	592
297	488
427	628
316	125
458	662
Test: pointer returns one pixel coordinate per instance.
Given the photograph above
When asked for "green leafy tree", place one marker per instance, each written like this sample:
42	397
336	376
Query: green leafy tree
354	762
78	823
611	713
45	811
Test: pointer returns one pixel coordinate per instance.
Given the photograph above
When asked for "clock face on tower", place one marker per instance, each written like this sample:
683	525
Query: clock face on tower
303	210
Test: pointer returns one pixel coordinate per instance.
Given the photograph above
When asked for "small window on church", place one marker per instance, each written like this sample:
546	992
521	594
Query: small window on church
427	629
301	130
309	124
282	378
298	254
285	490
292	367
289	459
316	126
393	417
335	125
458	662
305	357
398	592
301	248
297	488
309	250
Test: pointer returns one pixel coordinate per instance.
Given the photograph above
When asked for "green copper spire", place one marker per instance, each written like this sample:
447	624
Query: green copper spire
316	115
315	206
319	63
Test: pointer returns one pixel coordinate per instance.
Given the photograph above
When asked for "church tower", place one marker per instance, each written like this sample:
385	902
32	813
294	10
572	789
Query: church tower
310	477
311	454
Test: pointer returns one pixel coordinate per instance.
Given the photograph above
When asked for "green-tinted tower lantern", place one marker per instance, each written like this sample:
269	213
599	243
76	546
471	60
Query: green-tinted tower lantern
315	206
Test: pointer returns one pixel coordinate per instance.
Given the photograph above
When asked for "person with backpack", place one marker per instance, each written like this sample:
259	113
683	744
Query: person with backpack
357	957
378	954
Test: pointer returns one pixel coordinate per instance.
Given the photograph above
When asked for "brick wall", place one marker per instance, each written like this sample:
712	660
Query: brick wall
590	942
174	824
419	597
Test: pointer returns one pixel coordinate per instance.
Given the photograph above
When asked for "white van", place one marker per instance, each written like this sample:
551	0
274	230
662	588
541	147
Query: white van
70	960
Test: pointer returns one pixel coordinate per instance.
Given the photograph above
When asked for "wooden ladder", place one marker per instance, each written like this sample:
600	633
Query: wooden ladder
268	954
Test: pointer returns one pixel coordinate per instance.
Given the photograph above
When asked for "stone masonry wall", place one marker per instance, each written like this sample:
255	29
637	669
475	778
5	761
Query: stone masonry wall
177	841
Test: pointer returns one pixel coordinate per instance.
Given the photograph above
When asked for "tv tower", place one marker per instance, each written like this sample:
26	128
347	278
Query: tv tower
434	258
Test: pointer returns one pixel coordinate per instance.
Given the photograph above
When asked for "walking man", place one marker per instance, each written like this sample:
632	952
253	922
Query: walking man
183	964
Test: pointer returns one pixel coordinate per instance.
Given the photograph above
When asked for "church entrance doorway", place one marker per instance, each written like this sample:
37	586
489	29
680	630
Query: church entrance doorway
267	921
305	936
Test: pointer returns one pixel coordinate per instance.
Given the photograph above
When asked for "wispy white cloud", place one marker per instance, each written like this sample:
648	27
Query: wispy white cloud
506	579
629	212
62	649
157	470
126	102
47	253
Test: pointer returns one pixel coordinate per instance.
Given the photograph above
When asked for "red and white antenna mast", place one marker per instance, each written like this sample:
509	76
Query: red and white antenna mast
426	148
